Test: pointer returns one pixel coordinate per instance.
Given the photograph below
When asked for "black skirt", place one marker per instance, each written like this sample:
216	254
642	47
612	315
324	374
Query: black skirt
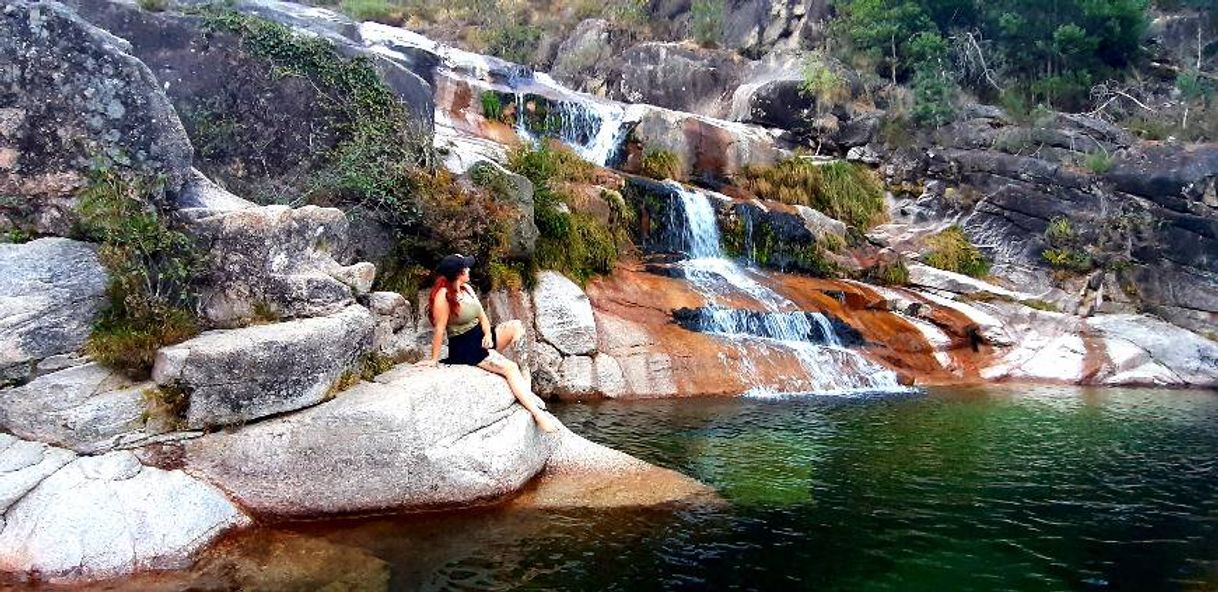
467	349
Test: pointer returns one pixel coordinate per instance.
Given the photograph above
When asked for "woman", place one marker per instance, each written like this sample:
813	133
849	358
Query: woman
455	311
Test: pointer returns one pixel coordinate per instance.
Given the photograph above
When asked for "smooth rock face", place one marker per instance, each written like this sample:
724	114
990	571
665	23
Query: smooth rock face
233	376
87	408
51	290
279	259
564	314
107	516
72	93
415	439
1171	355
25	464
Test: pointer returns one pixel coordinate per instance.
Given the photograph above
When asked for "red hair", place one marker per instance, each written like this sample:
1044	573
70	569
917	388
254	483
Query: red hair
451	296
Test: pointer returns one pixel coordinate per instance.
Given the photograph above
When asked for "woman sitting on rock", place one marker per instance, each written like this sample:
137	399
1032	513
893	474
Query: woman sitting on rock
454	309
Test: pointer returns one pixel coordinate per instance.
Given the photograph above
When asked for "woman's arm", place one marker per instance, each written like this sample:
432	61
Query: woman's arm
439	308
487	341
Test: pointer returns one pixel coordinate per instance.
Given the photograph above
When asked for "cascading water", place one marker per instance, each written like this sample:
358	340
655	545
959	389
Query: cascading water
828	367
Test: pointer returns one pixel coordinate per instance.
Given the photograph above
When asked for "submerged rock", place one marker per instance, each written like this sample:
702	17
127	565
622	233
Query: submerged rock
234	376
74	95
415	439
107	516
51	290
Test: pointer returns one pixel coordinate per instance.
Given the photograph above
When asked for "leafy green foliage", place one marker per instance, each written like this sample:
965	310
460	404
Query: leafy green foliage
381	11
574	243
706	22
154	5
934	93
842	190
952	251
375	167
659	163
492	105
514	42
822	83
1066	251
149	297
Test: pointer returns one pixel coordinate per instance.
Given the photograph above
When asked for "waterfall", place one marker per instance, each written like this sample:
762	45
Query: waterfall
828	366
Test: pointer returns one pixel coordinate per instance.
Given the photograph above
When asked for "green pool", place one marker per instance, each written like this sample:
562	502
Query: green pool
1012	488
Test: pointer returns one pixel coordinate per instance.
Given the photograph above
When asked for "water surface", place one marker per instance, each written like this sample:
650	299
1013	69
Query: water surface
1028	488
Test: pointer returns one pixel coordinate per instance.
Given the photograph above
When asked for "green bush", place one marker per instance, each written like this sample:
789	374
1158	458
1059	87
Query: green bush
1098	162
845	191
888	274
381	11
934	95
706	22
492	105
952	251
154	5
151	268
659	163
514	42
1066	250
822	83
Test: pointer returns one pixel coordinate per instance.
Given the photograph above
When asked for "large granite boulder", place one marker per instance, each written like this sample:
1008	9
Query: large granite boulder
279	261
71	94
1145	350
23	465
51	290
87	408
415	439
260	134
587	56
234	376
563	315
705	148
676	76
107	516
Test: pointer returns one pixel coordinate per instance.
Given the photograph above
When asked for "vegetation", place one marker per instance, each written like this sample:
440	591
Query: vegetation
1098	162
846	191
149	297
706	21
952	251
492	105
514	42
576	244
659	163
1046	50
154	5
1065	250
167	404
822	83
895	273
381	11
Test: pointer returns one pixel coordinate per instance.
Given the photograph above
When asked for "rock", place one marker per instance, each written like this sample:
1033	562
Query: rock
281	366
415	439
1173	356
74	95
584	474
107	516
564	315
757	26
51	290
819	224
675	76
704	147
576	377
522	240
586	57
276	260
546	368
258	133
88	408
201	198
23	465
925	276
395	337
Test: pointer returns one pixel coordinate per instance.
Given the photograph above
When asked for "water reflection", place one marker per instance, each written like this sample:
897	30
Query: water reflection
1045	488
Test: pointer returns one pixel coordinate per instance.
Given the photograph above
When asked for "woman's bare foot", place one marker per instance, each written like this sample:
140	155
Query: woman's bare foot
547	423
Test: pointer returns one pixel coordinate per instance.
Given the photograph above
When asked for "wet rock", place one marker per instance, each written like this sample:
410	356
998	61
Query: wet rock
564	315
415	439
74	95
277	260
88	409
282	366
107	516
1169	355
51	290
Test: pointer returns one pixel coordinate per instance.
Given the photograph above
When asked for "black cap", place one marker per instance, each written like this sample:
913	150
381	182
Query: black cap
451	265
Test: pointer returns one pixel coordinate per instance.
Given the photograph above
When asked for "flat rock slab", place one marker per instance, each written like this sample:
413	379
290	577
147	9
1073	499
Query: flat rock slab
1168	354
234	376
415	439
24	464
107	516
88	408
51	290
564	315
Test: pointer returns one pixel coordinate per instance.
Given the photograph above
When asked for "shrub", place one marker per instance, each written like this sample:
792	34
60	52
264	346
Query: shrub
514	42
659	163
842	190
822	83
154	5
706	22
381	11
1065	250
1098	162
492	105
934	94
952	251
888	274
149	297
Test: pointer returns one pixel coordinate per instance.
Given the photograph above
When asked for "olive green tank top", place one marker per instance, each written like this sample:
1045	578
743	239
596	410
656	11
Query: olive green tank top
467	316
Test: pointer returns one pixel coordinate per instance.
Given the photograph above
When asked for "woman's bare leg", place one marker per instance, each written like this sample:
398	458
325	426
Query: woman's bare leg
508	334
502	366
